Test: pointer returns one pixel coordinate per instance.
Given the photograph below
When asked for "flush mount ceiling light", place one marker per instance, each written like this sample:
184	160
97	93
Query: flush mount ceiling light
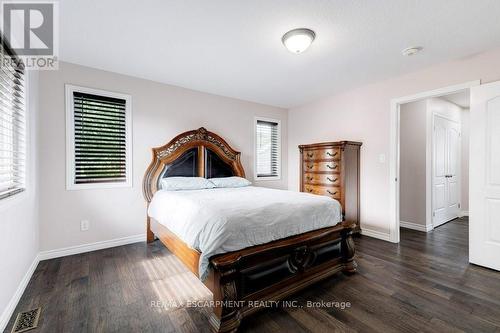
409	51
298	40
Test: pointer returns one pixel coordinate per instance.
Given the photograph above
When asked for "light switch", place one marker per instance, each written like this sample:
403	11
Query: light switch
84	225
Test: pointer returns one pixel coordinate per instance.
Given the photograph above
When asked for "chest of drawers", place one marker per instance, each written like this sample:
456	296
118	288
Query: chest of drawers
332	169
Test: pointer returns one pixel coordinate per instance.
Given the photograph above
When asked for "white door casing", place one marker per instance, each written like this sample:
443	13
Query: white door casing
484	186
394	153
446	170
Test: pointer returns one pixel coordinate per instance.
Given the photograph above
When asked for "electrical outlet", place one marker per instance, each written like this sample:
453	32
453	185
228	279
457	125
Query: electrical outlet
84	225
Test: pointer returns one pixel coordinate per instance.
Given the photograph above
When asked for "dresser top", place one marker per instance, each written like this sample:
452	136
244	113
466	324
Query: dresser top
329	144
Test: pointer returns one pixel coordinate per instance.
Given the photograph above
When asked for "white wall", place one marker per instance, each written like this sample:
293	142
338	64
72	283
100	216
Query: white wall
159	113
18	220
446	109
465	160
363	114
413	145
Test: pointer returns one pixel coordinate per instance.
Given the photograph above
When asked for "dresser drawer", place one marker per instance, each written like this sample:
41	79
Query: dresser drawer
329	166
322	179
322	154
333	192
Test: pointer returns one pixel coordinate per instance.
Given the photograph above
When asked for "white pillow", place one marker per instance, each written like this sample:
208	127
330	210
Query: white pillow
185	183
230	182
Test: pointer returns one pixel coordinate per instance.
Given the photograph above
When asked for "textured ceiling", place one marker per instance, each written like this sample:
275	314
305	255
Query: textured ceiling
233	48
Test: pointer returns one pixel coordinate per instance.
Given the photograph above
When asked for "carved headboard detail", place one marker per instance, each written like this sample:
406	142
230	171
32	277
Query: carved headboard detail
194	153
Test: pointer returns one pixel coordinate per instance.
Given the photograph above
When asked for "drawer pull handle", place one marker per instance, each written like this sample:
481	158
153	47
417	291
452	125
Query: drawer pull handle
332	193
310	155
310	166
332	180
332	155
309	178
309	190
331	167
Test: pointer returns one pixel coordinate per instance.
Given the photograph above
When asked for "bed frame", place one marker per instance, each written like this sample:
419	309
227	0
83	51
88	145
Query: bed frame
239	280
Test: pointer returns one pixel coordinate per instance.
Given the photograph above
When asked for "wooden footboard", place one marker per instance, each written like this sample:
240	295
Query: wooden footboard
267	272
272	271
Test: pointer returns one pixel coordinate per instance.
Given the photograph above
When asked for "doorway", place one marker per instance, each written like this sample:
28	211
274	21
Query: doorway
432	160
484	150
438	180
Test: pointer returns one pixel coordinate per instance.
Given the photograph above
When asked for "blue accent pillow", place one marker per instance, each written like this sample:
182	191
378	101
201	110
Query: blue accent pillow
230	182
185	183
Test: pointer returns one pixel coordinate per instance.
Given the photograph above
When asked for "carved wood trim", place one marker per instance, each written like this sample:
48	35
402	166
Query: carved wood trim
227	282
200	138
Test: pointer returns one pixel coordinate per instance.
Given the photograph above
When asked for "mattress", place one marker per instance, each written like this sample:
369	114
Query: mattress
221	220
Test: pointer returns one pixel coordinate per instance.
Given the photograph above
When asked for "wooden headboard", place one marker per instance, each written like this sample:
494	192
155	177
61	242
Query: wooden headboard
197	153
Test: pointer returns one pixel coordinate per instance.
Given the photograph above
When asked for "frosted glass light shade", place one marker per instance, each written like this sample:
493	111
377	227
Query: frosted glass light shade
298	40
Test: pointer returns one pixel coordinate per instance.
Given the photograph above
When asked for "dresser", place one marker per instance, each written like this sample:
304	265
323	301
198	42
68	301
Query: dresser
332	169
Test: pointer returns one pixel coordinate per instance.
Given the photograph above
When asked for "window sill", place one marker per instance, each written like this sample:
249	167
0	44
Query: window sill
13	200
258	179
97	186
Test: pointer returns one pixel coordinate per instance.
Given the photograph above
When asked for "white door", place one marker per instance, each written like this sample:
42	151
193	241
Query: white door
446	171
484	183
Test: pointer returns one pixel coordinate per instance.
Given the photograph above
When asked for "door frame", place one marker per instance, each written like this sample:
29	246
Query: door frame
394	157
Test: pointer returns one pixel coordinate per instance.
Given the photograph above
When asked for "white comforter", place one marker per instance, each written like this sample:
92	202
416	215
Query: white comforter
221	220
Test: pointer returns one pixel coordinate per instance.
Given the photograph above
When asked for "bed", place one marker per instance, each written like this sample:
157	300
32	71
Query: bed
261	244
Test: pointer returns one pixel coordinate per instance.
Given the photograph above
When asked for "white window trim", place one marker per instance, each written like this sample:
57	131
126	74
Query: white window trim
255	176
70	139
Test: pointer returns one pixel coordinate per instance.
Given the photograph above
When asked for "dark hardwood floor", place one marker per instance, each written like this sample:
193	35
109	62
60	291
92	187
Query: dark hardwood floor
424	284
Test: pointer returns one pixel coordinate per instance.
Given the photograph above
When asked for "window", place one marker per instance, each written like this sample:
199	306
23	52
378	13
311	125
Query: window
12	124
267	149
98	138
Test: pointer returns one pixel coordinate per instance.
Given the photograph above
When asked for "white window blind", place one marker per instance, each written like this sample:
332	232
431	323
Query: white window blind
100	139
12	125
267	149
